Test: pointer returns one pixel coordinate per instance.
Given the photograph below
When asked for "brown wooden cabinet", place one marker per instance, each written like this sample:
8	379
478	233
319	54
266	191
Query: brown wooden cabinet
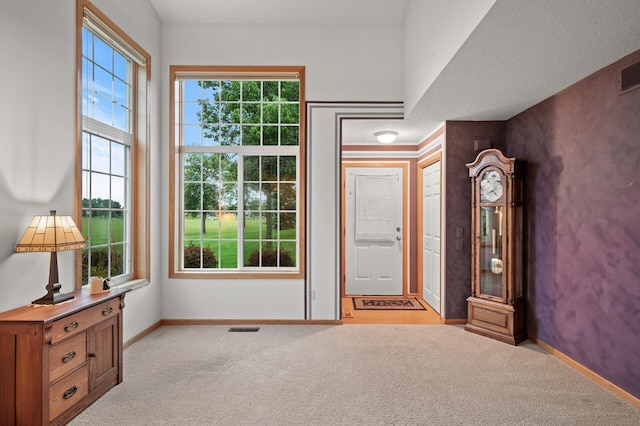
496	307
56	360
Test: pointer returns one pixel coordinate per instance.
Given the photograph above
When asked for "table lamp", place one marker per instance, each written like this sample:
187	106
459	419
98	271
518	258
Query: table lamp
51	234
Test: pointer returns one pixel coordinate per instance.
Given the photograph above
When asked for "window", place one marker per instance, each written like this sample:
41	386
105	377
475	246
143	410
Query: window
112	164
237	200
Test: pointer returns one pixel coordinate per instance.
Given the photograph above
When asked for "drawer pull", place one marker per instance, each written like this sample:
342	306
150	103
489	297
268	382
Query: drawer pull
70	392
68	356
71	326
107	311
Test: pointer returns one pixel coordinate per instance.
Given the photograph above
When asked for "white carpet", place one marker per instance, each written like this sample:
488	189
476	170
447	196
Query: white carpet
348	375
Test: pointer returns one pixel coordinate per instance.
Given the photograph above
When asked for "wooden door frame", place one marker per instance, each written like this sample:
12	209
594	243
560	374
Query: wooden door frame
343	210
421	166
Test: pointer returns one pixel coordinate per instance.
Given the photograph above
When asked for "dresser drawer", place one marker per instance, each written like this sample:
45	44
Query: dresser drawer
68	392
67	356
80	321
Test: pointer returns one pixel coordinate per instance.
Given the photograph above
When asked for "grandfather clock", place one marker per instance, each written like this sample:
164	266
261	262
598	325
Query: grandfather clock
497	304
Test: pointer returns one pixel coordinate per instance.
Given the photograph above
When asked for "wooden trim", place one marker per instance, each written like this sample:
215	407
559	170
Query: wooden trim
140	160
405	217
359	103
421	166
419	231
379	160
454	321
77	193
616	390
432	137
81	4
237	274
431	160
302	190
142	175
247	322
200	72
248	72
379	148
173	163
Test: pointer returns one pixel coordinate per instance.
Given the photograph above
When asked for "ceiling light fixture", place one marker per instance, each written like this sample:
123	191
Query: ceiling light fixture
386	136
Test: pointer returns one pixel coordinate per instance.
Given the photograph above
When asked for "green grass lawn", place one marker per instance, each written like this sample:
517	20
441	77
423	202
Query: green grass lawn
100	230
221	236
105	261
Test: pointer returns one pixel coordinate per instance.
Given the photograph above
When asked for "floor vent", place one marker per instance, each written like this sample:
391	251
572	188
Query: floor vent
244	329
629	78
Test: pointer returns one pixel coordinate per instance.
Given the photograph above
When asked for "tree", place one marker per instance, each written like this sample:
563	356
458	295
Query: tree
100	207
246	113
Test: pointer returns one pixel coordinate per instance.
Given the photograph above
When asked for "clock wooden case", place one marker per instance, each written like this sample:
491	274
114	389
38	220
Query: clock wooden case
497	302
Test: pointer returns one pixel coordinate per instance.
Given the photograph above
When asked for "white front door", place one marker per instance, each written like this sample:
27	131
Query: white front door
431	235
374	231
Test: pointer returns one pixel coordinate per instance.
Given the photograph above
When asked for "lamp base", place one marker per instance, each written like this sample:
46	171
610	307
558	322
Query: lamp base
52	297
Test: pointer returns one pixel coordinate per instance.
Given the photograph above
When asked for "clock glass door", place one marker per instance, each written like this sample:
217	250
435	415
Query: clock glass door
491	247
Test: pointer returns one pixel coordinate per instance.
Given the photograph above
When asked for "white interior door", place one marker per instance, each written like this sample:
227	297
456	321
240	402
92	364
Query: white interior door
373	231
431	235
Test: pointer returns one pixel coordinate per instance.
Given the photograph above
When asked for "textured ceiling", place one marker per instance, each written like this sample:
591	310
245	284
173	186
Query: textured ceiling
522	52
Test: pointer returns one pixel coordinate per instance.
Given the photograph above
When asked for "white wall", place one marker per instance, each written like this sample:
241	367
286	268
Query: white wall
37	136
37	127
342	64
450	22
354	63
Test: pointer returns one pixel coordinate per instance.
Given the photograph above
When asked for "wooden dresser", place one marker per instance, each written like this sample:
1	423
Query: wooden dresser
56	360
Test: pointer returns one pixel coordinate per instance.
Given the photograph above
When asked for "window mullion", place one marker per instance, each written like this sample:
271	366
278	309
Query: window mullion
241	215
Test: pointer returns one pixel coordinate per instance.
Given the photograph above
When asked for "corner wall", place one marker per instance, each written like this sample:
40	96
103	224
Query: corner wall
582	221
459	150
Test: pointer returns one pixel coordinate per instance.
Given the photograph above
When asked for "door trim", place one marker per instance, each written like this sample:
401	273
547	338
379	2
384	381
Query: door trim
421	166
343	213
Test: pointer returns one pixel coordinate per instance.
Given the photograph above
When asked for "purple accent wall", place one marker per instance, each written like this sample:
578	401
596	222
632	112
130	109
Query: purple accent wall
583	223
459	140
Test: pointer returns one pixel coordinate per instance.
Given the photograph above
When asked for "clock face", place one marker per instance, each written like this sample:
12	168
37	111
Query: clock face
491	186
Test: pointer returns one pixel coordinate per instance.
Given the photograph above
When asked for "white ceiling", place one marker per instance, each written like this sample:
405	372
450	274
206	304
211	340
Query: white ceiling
347	12
522	52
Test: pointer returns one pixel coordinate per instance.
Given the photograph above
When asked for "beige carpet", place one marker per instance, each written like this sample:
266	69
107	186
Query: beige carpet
348	375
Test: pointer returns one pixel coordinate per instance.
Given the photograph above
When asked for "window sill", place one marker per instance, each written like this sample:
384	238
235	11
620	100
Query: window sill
238	275
132	285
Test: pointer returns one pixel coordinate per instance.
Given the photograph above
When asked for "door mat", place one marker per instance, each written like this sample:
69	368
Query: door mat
386	303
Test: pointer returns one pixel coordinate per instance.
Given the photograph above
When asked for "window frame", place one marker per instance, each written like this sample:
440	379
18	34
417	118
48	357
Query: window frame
178	73
139	245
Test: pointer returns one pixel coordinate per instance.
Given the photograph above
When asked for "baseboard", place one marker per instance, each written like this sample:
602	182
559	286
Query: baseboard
618	391
156	325
248	322
454	321
140	335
